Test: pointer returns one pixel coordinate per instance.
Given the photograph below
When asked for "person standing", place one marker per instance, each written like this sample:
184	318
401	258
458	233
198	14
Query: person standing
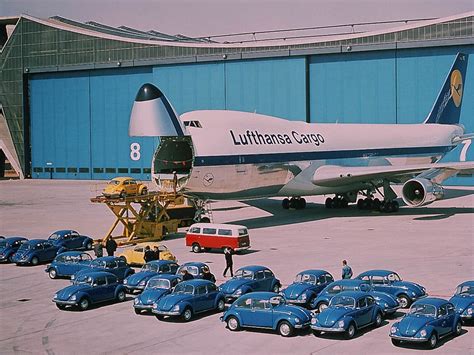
207	275
186	275
111	246
149	254
346	270
228	262
98	249
175	182
156	251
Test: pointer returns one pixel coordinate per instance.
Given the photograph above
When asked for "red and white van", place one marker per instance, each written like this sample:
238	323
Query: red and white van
217	236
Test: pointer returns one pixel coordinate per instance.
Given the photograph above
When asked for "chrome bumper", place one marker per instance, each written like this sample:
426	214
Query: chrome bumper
296	301
301	326
70	303
147	307
324	329
391	310
466	316
166	313
415	340
242	248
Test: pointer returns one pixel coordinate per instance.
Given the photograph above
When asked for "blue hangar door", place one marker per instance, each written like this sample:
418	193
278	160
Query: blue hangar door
79	125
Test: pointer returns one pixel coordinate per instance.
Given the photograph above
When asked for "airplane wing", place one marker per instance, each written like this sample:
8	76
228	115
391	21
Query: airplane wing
333	176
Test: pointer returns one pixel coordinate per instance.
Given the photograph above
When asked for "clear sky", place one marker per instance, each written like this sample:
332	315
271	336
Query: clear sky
210	17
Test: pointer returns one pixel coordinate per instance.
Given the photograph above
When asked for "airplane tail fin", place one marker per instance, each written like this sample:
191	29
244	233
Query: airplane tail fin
152	115
447	107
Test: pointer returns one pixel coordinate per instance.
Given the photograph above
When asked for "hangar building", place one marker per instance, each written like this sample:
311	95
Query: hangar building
67	88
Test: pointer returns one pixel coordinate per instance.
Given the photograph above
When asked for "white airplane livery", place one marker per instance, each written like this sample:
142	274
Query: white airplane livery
217	154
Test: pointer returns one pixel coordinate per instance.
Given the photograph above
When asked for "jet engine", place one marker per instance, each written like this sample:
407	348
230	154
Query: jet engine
421	192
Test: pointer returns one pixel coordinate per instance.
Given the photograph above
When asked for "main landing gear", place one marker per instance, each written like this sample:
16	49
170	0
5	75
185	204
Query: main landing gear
337	202
296	203
374	204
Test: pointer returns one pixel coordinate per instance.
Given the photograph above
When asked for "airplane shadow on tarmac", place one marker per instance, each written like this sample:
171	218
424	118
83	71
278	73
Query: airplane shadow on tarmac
316	211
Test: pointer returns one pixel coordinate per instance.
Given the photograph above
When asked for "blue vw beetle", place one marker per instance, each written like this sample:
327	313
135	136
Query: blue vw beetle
463	300
194	268
68	263
188	298
90	288
9	246
388	303
68	239
250	279
428	320
156	287
137	282
306	286
266	310
348	312
112	264
390	282
35	251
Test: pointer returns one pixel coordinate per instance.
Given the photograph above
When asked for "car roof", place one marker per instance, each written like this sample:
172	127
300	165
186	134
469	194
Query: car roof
151	244
261	295
354	294
108	258
123	178
98	273
216	225
161	262
14	239
197	282
194	263
64	231
434	301
348	282
254	268
377	273
165	276
74	252
315	272
467	283
36	241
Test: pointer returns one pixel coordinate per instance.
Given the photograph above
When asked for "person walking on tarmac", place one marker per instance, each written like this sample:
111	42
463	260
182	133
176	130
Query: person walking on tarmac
111	246
207	275
346	270
228	262
149	254
98	249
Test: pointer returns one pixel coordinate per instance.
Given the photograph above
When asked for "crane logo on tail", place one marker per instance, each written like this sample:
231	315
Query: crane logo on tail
456	87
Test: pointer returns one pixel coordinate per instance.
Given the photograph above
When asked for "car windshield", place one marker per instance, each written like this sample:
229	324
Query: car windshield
423	310
158	283
114	182
193	270
394	277
54	236
84	279
342	301
150	267
307	278
98	263
184	289
25	246
465	290
243	274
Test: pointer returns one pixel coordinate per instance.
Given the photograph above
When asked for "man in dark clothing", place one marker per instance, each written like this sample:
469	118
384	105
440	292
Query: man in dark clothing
149	254
228	262
156	251
111	246
98	249
207	275
186	275
346	270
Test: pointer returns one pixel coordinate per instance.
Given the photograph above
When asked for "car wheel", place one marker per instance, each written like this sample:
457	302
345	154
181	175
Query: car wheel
34	260
121	296
144	191
159	317
276	288
187	314
316	332
433	341
395	342
220	305
350	332
205	220
322	306
10	258
61	306
404	301
84	304
378	319
137	311
233	323
196	248
285	329
52	273
89	246
458	328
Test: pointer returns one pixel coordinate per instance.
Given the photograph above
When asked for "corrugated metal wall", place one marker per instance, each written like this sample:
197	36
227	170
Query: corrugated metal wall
79	120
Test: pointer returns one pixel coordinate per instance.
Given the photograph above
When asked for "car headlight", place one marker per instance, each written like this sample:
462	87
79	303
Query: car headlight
314	320
125	281
340	324
423	333
393	330
55	296
303	297
155	306
176	308
73	277
469	310
73	297
413	293
136	301
385	305
142	283
281	293
297	320
238	292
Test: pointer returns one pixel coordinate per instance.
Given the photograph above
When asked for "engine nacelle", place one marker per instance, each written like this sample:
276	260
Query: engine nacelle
421	192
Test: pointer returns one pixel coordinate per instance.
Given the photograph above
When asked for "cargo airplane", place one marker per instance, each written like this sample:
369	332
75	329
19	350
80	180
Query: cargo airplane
219	154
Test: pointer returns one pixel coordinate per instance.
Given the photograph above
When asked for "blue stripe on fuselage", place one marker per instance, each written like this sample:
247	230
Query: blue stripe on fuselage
308	156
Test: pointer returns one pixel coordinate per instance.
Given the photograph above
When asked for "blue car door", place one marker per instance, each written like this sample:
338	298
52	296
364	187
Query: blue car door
99	290
212	293
444	323
110	287
200	299
262	313
363	314
260	281
111	266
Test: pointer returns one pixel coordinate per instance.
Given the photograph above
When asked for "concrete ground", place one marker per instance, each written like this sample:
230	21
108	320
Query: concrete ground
432	245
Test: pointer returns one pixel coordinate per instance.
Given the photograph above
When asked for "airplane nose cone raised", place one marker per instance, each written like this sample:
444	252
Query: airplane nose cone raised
148	92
